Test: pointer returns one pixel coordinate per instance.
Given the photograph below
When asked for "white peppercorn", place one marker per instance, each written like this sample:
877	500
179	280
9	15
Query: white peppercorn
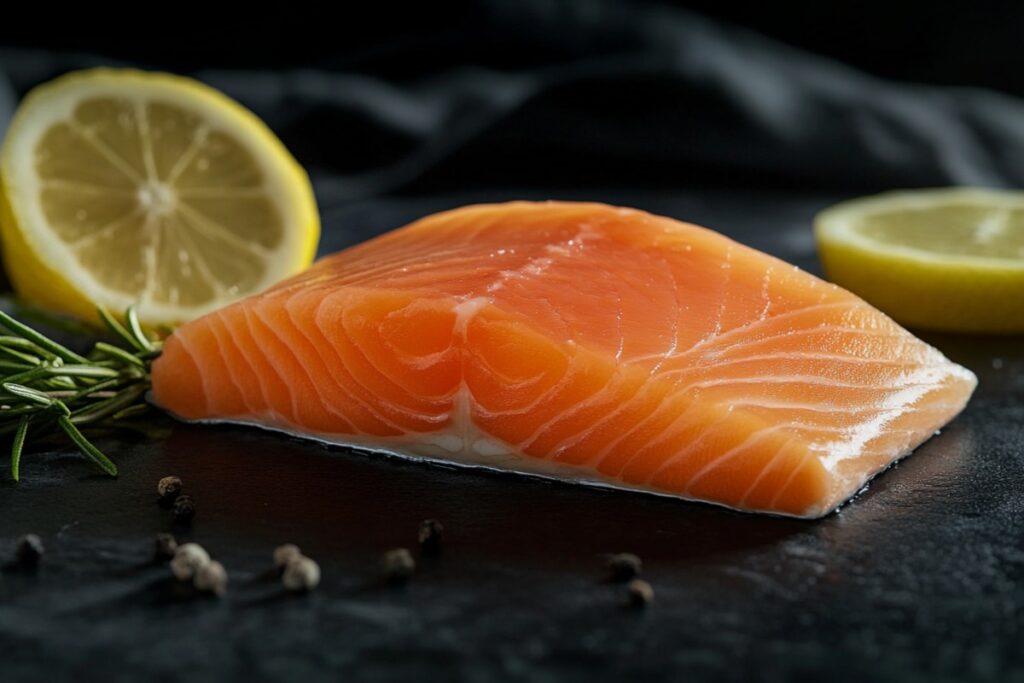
301	574
283	554
211	578
188	558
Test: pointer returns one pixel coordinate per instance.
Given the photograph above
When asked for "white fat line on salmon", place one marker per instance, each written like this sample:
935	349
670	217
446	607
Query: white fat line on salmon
765	282
674	341
533	267
919	384
726	281
815	380
707	431
624	408
710	342
464	440
786	355
583	404
536	266
272	331
466	310
751	440
564	381
768	467
341	373
791	334
824	408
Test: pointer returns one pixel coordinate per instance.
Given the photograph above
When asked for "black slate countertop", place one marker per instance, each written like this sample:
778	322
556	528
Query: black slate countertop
920	578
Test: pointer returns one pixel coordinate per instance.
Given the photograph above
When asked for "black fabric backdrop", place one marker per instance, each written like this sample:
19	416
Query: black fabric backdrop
637	103
596	94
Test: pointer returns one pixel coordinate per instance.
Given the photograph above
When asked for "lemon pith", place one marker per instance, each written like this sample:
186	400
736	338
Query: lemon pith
122	187
944	259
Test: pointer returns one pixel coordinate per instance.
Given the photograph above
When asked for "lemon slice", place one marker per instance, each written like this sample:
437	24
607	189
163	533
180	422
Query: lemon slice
124	187
944	259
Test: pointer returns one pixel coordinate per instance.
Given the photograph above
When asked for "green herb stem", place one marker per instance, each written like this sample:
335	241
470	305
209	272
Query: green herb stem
57	390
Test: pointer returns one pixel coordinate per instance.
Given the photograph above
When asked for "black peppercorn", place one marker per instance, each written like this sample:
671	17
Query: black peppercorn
168	488
430	535
397	565
29	550
623	566
639	593
165	546
184	509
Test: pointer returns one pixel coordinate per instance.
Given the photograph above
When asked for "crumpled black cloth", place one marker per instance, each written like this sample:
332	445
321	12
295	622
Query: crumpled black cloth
636	95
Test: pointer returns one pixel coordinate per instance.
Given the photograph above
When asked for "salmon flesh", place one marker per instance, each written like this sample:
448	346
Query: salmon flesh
580	342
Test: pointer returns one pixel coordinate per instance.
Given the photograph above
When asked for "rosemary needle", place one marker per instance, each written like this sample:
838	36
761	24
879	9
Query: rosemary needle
83	371
27	359
114	352
88	450
39	340
130	412
56	389
110	406
117	328
19	443
136	330
24	344
28	394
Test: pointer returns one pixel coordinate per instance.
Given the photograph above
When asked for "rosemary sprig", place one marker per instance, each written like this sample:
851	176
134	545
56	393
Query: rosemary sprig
55	389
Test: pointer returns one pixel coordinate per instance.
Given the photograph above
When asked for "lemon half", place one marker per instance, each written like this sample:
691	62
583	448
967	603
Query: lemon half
124	187
947	259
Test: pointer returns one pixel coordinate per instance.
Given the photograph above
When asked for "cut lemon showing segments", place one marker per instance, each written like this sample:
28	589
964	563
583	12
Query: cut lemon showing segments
947	259
124	187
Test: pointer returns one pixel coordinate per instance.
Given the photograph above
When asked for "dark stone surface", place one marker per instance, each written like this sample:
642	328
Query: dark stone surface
920	578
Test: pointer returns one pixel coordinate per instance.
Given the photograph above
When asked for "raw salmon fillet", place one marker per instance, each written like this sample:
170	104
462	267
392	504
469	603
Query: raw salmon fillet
581	342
